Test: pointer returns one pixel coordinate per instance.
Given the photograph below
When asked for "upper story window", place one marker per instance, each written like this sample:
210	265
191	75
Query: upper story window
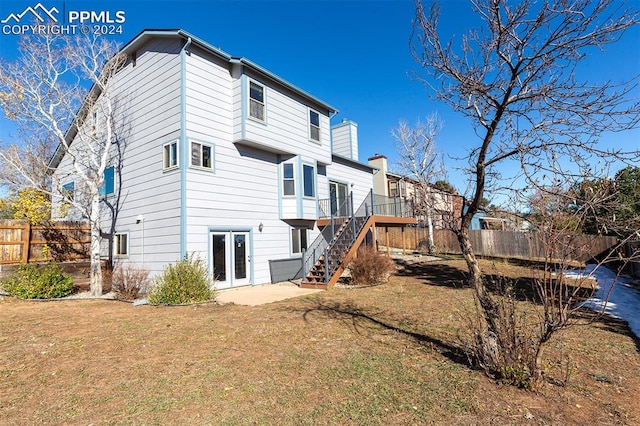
309	181
256	101
94	123
201	155
314	125
288	181
170	155
109	185
68	192
393	189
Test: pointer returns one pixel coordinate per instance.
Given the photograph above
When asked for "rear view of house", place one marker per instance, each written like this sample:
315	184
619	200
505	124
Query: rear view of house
222	159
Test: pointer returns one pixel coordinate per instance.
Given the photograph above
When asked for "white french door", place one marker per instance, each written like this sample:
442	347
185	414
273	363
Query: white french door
339	195
230	258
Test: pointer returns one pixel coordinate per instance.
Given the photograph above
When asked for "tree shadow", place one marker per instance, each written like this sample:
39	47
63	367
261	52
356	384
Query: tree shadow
608	323
522	288
435	274
358	318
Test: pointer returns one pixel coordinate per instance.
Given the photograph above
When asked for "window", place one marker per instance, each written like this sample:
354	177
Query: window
121	244
308	178
201	155
288	182
170	159
299	240
94	123
68	192
314	125
109	185
256	101
393	189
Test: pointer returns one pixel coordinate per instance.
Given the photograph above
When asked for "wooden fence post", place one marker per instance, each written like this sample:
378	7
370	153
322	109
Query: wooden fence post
26	242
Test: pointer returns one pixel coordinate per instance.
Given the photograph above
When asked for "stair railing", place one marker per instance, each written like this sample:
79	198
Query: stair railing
335	240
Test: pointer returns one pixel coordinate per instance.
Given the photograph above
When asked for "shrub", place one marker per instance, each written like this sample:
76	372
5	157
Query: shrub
31	281
509	353
129	282
185	282
370	268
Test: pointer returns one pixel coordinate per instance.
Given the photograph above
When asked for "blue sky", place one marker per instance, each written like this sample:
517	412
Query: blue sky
351	54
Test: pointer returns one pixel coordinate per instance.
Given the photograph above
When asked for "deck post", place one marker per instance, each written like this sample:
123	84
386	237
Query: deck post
326	265
351	212
404	243
304	268
386	240
333	229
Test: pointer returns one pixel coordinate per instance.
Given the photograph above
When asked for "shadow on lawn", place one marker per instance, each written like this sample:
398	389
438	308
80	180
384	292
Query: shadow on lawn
524	289
358	318
608	323
433	273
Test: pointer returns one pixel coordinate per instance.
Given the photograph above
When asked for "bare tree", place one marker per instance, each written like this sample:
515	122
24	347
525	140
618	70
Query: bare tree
419	159
515	80
61	87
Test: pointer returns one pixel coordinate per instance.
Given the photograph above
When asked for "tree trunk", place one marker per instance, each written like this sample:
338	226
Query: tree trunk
476	280
95	269
432	246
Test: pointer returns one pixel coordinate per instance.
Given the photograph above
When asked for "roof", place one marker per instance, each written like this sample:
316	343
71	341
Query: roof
148	34
353	163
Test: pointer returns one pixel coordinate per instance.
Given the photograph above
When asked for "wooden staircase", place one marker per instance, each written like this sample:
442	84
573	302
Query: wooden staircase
346	240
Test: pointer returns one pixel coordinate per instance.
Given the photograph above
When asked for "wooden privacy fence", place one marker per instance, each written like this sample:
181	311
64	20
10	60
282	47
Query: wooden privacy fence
526	245
21	242
632	252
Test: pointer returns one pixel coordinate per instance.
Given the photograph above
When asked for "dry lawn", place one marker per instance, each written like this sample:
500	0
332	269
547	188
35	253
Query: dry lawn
385	355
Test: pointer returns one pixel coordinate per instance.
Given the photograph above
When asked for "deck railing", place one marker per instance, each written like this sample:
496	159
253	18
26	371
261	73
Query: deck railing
341	212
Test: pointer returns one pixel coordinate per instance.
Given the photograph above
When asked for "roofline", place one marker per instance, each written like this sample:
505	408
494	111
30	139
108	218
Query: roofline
145	34
339	158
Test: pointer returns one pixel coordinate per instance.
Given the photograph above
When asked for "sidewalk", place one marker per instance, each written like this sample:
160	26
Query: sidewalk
262	294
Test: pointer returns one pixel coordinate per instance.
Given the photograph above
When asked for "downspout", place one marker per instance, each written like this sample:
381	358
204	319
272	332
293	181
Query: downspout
331	115
184	150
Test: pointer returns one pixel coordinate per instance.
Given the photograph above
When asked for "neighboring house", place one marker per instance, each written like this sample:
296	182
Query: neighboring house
228	161
446	206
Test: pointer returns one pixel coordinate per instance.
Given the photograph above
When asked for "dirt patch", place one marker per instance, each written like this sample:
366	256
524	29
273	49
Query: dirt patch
388	354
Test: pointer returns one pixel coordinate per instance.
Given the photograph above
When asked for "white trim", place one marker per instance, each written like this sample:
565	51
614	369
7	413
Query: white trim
311	125
211	155
116	245
263	102
64	189
293	179
313	181
166	166
299	231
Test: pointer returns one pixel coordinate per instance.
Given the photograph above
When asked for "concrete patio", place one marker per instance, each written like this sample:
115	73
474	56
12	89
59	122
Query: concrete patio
262	294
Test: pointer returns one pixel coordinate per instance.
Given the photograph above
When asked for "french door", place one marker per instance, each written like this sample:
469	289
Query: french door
230	258
339	195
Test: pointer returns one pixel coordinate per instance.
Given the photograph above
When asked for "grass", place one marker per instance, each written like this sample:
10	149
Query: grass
379	355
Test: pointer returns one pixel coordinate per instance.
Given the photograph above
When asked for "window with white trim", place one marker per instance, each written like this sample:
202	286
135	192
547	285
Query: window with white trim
288	181
314	125
68	192
121	244
108	187
299	240
256	101
201	155
170	155
308	178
